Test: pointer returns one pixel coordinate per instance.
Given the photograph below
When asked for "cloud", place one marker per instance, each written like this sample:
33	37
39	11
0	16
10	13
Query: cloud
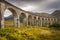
55	5
37	5
7	13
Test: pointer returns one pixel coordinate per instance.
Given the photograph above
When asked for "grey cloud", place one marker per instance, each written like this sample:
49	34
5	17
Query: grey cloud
38	4
55	5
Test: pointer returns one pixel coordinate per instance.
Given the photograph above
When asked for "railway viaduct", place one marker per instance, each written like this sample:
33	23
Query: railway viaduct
29	18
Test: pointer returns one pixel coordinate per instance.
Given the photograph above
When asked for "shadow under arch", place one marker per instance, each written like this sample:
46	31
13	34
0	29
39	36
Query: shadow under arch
34	20
10	21
39	21
30	20
22	17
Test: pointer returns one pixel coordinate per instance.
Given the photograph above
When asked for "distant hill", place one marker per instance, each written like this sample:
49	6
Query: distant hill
56	13
9	17
43	14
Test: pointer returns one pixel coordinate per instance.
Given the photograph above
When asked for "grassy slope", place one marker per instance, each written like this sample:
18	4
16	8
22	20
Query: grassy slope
29	33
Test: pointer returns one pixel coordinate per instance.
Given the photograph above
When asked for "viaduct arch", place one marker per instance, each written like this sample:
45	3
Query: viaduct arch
28	18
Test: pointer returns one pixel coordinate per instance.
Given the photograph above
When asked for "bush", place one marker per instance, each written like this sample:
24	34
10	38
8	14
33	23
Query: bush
55	25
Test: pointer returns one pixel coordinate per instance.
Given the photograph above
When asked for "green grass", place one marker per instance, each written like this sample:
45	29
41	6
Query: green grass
29	33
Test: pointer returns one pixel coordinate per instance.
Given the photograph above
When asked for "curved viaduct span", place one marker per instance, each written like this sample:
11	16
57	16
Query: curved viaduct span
29	19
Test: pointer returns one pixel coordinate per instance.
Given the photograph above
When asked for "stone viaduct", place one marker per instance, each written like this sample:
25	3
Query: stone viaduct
28	18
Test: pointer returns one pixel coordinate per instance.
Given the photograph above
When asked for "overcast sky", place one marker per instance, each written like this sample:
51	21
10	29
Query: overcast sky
37	5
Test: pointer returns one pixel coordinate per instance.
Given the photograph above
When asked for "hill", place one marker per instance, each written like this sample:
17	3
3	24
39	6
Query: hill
9	17
56	13
43	14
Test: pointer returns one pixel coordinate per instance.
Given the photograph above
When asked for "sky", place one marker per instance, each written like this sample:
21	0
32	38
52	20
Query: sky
47	6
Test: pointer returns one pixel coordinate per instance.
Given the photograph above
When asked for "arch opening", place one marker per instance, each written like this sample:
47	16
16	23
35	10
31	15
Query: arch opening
13	12
9	15
22	17
38	21
30	20
34	20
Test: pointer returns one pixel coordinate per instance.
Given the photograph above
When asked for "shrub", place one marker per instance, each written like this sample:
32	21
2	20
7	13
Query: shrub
55	25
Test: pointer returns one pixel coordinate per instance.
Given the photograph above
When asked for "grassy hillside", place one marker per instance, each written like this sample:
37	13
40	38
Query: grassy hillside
29	33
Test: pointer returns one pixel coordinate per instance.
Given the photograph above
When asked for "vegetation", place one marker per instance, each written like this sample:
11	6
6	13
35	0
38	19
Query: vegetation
29	33
55	25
